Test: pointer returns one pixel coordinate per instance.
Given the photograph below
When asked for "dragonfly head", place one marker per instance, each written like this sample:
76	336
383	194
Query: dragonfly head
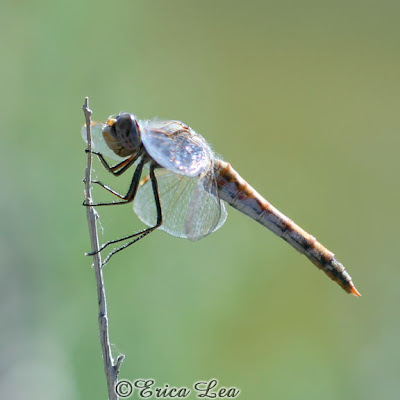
122	134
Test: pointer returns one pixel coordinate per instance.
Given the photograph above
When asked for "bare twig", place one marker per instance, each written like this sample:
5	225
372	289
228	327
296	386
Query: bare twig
111	369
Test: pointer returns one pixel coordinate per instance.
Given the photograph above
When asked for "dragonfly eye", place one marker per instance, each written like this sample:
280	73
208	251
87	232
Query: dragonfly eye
127	131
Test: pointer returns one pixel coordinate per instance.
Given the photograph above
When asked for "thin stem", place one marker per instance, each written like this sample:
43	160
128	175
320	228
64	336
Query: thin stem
111	369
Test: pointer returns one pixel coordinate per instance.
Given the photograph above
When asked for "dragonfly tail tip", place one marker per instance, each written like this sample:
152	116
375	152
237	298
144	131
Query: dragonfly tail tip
355	292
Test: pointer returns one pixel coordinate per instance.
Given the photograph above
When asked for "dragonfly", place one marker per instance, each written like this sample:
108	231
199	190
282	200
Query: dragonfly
185	187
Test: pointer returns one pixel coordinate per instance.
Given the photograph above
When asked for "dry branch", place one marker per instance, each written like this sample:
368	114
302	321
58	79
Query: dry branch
111	369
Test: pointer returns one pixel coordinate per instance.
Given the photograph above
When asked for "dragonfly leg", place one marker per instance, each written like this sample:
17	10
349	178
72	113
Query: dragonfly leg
131	191
138	235
119	168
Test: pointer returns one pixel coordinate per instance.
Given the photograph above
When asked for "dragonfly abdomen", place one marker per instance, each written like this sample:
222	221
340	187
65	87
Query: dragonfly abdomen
239	194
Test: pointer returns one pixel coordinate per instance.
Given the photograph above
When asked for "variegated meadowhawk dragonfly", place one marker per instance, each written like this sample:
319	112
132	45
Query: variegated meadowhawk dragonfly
186	186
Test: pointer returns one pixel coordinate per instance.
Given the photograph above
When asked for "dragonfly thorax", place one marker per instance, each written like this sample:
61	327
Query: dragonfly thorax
122	134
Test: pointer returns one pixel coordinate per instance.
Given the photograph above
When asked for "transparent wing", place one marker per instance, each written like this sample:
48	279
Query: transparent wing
188	210
98	143
176	147
206	212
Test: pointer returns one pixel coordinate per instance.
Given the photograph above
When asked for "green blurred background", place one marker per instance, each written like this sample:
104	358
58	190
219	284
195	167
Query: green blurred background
302	98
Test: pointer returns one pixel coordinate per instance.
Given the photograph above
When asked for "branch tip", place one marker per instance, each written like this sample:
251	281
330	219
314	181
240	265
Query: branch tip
117	365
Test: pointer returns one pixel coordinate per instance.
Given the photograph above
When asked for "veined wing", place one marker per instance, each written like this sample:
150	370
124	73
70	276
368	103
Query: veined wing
190	206
207	211
98	143
176	147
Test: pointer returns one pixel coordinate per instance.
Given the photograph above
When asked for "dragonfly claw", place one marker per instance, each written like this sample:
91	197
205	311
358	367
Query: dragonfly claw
91	151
